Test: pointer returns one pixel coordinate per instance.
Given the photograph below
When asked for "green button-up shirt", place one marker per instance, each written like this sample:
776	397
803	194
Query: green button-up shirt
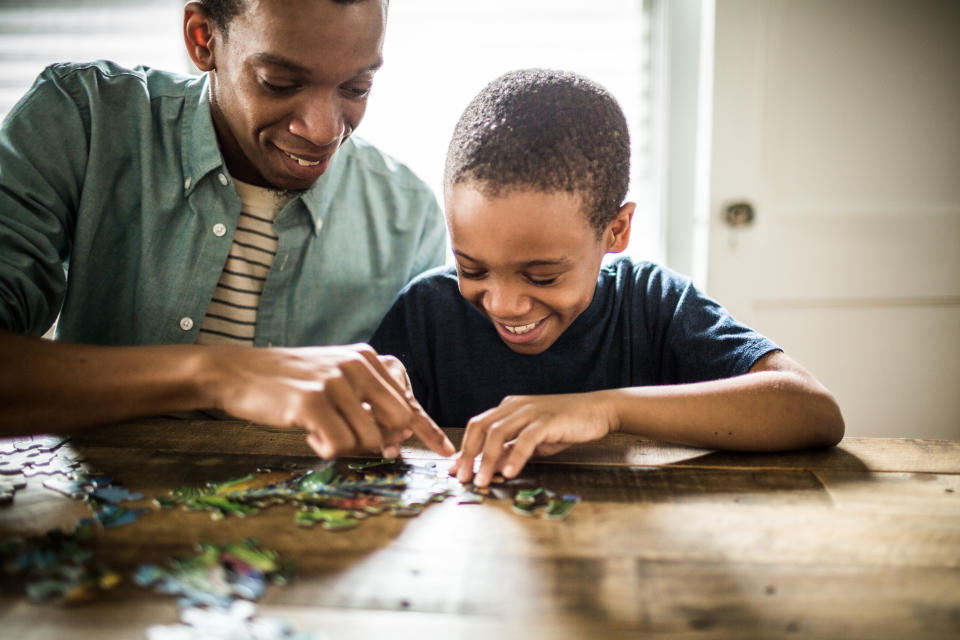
117	212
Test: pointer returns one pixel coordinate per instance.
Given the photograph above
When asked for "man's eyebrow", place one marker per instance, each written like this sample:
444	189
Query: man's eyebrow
280	61
290	65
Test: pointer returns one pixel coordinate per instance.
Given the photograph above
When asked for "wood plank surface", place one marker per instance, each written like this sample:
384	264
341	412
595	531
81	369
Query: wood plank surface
852	454
862	540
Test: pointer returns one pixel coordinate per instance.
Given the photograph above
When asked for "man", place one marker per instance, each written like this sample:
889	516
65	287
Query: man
127	199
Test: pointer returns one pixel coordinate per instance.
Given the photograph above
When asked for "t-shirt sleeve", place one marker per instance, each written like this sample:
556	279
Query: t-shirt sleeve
695	337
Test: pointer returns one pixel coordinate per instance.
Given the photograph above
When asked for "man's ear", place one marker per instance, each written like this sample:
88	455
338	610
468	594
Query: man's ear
198	35
617	234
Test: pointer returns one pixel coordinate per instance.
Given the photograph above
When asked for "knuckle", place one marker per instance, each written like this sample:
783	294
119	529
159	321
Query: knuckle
497	431
390	361
364	349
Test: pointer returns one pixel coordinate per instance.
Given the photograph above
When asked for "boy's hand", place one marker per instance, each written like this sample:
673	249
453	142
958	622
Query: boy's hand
522	426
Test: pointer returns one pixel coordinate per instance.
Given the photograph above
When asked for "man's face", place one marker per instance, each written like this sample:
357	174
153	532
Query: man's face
290	84
528	260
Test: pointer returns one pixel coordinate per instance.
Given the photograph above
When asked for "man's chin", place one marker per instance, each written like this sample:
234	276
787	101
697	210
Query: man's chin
288	185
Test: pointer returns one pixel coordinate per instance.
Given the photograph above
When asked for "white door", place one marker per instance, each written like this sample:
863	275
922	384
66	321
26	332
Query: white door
839	121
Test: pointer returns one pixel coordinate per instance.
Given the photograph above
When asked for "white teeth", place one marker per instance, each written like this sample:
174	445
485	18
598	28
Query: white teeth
302	162
524	328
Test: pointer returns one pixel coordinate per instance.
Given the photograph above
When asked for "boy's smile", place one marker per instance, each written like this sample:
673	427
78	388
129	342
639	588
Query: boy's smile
528	260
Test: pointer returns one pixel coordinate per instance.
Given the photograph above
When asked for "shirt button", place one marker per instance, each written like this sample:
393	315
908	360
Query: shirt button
319	225
186	323
219	229
187	183
223	179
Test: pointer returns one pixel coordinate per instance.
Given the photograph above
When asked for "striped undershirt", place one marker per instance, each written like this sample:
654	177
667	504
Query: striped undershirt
232	315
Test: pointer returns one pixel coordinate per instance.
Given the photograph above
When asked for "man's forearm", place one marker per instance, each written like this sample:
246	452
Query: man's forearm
48	386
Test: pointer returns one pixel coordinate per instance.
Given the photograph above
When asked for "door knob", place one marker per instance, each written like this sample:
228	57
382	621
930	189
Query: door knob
739	214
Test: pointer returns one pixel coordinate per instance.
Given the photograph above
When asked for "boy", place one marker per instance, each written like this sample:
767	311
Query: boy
534	345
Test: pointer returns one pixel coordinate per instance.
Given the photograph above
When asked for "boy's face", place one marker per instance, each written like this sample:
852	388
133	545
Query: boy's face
290	83
528	260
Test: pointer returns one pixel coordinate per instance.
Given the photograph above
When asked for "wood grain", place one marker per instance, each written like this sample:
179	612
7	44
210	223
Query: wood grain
862	540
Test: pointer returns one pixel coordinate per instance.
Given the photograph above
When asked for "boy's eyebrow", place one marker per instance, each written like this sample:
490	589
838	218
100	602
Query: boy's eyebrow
557	262
290	65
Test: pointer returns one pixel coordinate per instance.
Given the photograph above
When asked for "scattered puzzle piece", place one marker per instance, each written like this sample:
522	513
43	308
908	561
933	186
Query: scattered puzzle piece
114	494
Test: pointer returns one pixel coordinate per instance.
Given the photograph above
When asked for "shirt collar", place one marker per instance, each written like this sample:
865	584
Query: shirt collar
201	155
201	150
319	198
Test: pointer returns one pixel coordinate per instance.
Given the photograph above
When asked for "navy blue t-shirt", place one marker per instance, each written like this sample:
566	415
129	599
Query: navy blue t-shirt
646	325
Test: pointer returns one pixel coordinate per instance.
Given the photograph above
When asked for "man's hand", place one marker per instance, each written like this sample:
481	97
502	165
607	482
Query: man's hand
344	397
522	426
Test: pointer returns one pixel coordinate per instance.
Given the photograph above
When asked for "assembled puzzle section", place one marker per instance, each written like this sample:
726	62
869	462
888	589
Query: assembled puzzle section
343	493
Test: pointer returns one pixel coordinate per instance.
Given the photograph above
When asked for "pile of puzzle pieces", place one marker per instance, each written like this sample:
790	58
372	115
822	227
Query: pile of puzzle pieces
340	495
217	574
57	566
215	588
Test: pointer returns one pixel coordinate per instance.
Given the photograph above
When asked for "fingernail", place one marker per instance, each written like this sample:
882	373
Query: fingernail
509	470
391	452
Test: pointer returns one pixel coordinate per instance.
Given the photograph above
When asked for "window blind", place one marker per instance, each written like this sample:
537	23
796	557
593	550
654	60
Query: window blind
36	33
438	55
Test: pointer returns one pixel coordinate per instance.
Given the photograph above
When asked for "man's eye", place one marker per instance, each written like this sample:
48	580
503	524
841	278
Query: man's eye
278	88
472	275
357	92
541	282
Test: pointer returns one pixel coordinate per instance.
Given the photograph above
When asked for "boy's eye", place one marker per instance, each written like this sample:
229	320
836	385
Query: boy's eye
542	282
471	275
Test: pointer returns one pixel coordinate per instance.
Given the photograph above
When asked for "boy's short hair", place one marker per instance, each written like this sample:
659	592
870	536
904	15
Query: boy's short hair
547	130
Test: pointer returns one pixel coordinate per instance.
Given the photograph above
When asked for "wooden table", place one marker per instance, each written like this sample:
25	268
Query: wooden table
862	540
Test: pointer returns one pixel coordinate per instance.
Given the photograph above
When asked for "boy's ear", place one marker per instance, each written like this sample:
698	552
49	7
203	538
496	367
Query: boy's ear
617	235
198	35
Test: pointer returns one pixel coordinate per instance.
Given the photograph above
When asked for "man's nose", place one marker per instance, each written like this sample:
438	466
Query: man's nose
318	120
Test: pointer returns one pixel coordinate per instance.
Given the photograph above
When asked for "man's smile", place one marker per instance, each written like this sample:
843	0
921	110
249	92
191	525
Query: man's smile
303	162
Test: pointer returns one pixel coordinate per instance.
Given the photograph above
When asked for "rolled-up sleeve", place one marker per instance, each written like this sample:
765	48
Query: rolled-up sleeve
43	155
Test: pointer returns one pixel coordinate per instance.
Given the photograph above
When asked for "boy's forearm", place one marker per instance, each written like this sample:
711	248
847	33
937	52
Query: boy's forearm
48	386
759	411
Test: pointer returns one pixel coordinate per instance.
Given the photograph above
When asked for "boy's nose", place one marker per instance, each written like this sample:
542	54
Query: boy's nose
506	303
319	121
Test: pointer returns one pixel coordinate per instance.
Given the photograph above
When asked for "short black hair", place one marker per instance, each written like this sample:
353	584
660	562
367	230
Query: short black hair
547	130
222	12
